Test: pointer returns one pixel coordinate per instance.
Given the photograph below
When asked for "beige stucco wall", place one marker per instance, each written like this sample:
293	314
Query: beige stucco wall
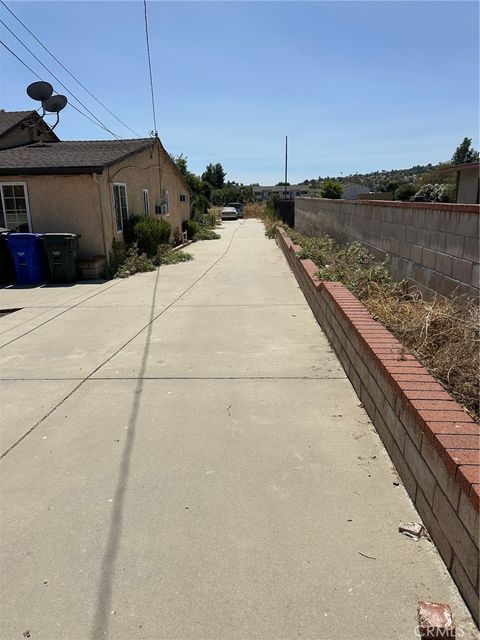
64	204
151	169
468	186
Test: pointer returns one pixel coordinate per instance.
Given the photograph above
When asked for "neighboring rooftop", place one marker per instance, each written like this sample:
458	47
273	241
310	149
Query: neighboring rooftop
289	187
77	156
20	128
9	119
463	167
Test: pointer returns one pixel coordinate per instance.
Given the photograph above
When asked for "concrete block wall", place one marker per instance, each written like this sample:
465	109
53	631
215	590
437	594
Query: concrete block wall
433	443
434	246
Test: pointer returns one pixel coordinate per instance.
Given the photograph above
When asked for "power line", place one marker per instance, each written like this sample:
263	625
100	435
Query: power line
20	60
59	81
65	68
37	76
150	69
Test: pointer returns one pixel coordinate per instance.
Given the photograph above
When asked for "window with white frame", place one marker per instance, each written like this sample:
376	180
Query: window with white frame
146	203
183	197
14	210
120	204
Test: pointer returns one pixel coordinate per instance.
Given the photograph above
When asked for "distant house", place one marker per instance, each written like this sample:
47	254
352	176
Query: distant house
262	194
468	182
86	187
351	191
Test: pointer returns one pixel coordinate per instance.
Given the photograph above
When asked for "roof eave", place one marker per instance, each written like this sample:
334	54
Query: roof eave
462	167
42	171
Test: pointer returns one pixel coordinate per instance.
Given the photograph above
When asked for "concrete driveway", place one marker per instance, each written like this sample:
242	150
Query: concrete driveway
184	458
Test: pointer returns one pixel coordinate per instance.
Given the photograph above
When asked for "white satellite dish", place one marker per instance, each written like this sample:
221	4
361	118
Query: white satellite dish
40	90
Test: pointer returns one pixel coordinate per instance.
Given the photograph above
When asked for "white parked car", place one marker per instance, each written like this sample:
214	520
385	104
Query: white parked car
229	213
238	206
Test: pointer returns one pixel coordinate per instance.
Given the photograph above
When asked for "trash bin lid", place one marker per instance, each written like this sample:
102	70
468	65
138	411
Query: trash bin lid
61	235
23	237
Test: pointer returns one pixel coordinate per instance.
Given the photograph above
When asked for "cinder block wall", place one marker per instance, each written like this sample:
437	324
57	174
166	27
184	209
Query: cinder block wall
433	246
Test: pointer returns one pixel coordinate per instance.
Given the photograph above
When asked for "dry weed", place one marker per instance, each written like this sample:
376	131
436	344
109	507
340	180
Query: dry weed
443	334
255	210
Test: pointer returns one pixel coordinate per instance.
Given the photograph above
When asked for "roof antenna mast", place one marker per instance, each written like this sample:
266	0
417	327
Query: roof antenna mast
155	132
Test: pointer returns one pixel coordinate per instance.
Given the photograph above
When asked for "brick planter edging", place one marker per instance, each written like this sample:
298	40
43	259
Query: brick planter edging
433	443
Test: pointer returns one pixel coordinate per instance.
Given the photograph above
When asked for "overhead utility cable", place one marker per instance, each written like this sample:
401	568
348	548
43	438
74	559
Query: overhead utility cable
37	76
150	69
69	72
59	81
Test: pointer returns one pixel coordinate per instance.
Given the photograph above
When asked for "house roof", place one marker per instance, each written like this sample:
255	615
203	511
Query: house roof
9	119
297	187
82	156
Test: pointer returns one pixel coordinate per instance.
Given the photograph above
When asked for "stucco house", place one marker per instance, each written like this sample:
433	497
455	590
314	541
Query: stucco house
89	187
262	194
352	191
468	182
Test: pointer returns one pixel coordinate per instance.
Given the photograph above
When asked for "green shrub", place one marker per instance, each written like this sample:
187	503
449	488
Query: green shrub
191	227
405	192
200	205
437	192
129	229
331	189
150	233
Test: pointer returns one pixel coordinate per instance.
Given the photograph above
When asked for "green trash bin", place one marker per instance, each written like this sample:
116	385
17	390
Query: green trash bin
61	252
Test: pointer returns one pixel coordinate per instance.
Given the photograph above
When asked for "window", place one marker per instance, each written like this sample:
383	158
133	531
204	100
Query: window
165	208
183	197
14	210
146	203
120	204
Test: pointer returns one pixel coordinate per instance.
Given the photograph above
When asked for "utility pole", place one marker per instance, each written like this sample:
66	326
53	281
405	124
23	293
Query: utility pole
286	166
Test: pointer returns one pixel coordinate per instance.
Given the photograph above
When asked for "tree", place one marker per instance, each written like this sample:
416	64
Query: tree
214	175
283	184
392	186
405	192
437	175
193	181
331	189
464	153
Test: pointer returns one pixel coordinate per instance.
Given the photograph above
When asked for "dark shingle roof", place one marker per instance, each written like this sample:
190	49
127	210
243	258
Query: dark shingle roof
80	156
9	119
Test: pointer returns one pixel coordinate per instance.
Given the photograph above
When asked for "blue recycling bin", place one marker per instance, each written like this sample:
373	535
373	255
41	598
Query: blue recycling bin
27	256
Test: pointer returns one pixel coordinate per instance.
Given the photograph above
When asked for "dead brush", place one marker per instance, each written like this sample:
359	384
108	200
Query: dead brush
444	336
255	210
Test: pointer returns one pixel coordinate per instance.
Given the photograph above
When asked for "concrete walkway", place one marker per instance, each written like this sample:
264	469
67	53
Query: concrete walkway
184	458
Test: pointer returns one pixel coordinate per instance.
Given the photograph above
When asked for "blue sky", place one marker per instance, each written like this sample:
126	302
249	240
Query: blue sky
356	86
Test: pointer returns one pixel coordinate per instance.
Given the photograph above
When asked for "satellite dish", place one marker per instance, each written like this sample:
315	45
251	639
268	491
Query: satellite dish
55	104
40	90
